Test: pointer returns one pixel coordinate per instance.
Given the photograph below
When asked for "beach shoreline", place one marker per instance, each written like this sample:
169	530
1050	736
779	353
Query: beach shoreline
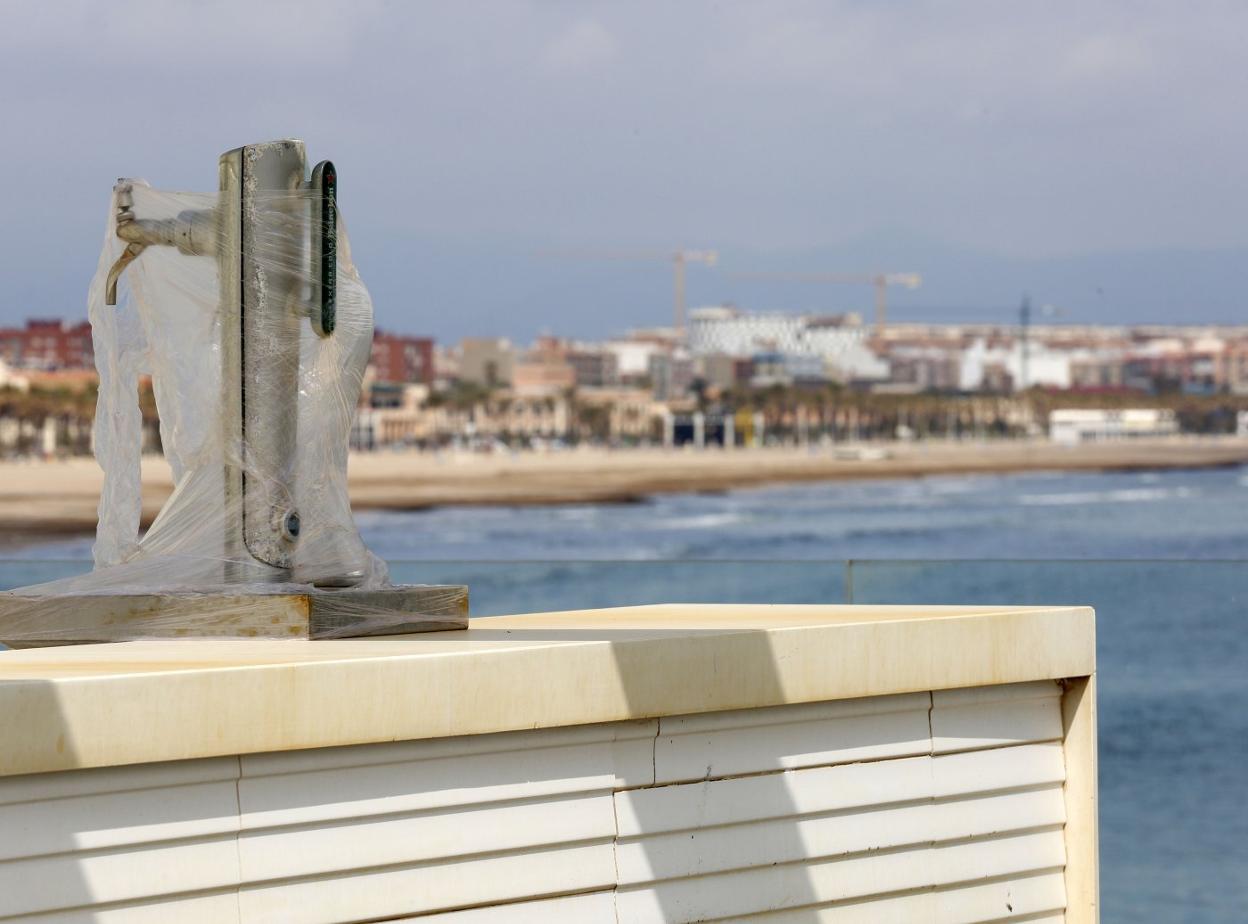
41	501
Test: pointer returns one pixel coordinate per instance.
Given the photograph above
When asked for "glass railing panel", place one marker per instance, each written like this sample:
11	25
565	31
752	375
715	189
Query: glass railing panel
22	572
496	588
500	587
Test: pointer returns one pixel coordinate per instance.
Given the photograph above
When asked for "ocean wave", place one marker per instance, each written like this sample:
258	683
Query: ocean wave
1116	496
700	521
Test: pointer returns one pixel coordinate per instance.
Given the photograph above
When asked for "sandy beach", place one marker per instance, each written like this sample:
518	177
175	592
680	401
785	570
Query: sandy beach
45	499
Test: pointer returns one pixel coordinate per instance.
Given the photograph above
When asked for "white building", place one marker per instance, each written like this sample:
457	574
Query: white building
838	343
632	357
1072	426
10	379
1046	367
856	363
736	333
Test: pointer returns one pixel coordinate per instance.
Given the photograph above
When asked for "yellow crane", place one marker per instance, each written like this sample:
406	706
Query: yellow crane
679	260
880	281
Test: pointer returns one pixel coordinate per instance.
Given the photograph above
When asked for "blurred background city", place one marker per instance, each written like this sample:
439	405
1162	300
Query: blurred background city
726	377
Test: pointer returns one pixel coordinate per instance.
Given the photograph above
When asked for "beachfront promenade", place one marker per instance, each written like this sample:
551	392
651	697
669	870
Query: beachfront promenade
42	499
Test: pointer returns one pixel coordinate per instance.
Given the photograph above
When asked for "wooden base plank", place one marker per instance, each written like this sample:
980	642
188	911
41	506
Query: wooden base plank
33	621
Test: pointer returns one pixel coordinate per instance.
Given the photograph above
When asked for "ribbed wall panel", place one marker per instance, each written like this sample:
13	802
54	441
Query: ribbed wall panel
370	894
765	887
917	808
993	717
117	837
334	783
570	909
1027	899
798	838
382	832
384	840
219	907
907	838
723	744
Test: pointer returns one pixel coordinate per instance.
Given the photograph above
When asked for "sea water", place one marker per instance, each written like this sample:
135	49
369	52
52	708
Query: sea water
1162	556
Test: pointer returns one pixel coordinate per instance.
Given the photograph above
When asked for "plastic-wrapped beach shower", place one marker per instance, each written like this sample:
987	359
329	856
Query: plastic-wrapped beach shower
245	310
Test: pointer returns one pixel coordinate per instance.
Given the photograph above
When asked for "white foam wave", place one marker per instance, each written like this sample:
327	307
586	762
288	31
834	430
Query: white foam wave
1118	496
702	521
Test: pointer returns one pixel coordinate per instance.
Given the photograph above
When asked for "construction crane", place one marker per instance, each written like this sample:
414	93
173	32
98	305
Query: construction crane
880	281
679	260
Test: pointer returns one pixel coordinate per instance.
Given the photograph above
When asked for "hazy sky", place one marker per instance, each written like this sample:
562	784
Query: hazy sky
470	135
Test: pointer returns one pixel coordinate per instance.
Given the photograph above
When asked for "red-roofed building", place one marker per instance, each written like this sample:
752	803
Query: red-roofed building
400	359
48	344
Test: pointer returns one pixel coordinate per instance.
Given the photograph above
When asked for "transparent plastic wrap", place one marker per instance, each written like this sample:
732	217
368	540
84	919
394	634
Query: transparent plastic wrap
246	311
